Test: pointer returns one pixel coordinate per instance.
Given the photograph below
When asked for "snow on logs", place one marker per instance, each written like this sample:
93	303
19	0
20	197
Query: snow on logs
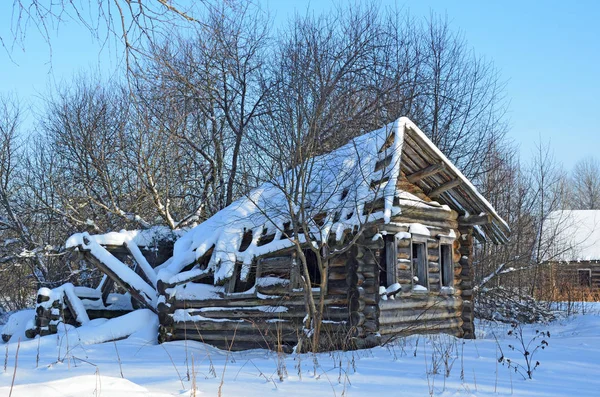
125	277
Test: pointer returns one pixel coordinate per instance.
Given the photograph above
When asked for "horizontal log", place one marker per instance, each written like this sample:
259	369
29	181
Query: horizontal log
426	302
233	325
289	300
428	213
337	275
371	326
420	327
237	345
239	336
433	245
444	224
371	310
275	289
404	316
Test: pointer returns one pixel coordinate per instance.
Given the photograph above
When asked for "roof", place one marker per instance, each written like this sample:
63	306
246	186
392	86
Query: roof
571	236
419	153
342	185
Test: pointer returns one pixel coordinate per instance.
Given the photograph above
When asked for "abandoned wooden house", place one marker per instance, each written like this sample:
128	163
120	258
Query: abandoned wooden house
234	281
570	244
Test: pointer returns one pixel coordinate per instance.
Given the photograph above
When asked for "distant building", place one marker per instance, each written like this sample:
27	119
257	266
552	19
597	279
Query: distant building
570	242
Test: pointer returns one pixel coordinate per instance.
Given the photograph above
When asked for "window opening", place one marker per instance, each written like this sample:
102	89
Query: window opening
419	260
446	265
313	268
585	277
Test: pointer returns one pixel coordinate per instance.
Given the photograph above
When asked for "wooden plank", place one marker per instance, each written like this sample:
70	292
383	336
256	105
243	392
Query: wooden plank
390	260
106	289
425	172
473	220
445	187
138	294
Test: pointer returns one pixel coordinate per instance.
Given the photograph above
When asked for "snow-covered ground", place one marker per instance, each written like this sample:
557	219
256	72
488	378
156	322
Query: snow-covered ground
70	364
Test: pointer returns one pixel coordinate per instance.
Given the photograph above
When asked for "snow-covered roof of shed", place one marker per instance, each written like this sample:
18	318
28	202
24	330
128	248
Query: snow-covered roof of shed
571	236
341	184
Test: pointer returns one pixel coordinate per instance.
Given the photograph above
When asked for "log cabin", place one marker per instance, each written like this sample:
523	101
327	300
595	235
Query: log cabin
570	244
396	219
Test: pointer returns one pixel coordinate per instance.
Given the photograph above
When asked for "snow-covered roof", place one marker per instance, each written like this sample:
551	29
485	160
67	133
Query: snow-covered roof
571	236
342	184
141	238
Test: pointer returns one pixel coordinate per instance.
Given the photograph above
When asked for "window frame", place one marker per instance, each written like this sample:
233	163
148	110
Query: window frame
589	277
419	241
390	259
446	264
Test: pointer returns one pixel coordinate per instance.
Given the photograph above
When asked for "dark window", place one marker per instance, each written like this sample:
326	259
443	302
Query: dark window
387	267
313	268
419	262
244	285
446	265
585	277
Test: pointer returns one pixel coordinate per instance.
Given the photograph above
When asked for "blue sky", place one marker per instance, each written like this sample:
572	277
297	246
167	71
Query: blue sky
547	52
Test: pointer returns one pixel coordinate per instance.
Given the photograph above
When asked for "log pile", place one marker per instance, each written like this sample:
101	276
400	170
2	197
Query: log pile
74	306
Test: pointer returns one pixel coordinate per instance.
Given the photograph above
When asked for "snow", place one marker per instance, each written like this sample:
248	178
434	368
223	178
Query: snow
195	291
571	236
269	281
85	385
418	228
403	235
447	290
17	323
410	366
81	314
182	315
141	261
113	302
142	238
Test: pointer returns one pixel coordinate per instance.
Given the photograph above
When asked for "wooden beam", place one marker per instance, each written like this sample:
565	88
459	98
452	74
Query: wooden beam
445	187
119	272
106	289
472	220
425	172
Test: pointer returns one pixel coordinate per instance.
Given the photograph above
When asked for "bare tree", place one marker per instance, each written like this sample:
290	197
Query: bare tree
460	103
130	24
23	254
527	197
585	182
332	81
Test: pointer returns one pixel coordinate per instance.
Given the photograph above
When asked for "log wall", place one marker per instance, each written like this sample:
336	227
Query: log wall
413	311
572	281
466	281
356	314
